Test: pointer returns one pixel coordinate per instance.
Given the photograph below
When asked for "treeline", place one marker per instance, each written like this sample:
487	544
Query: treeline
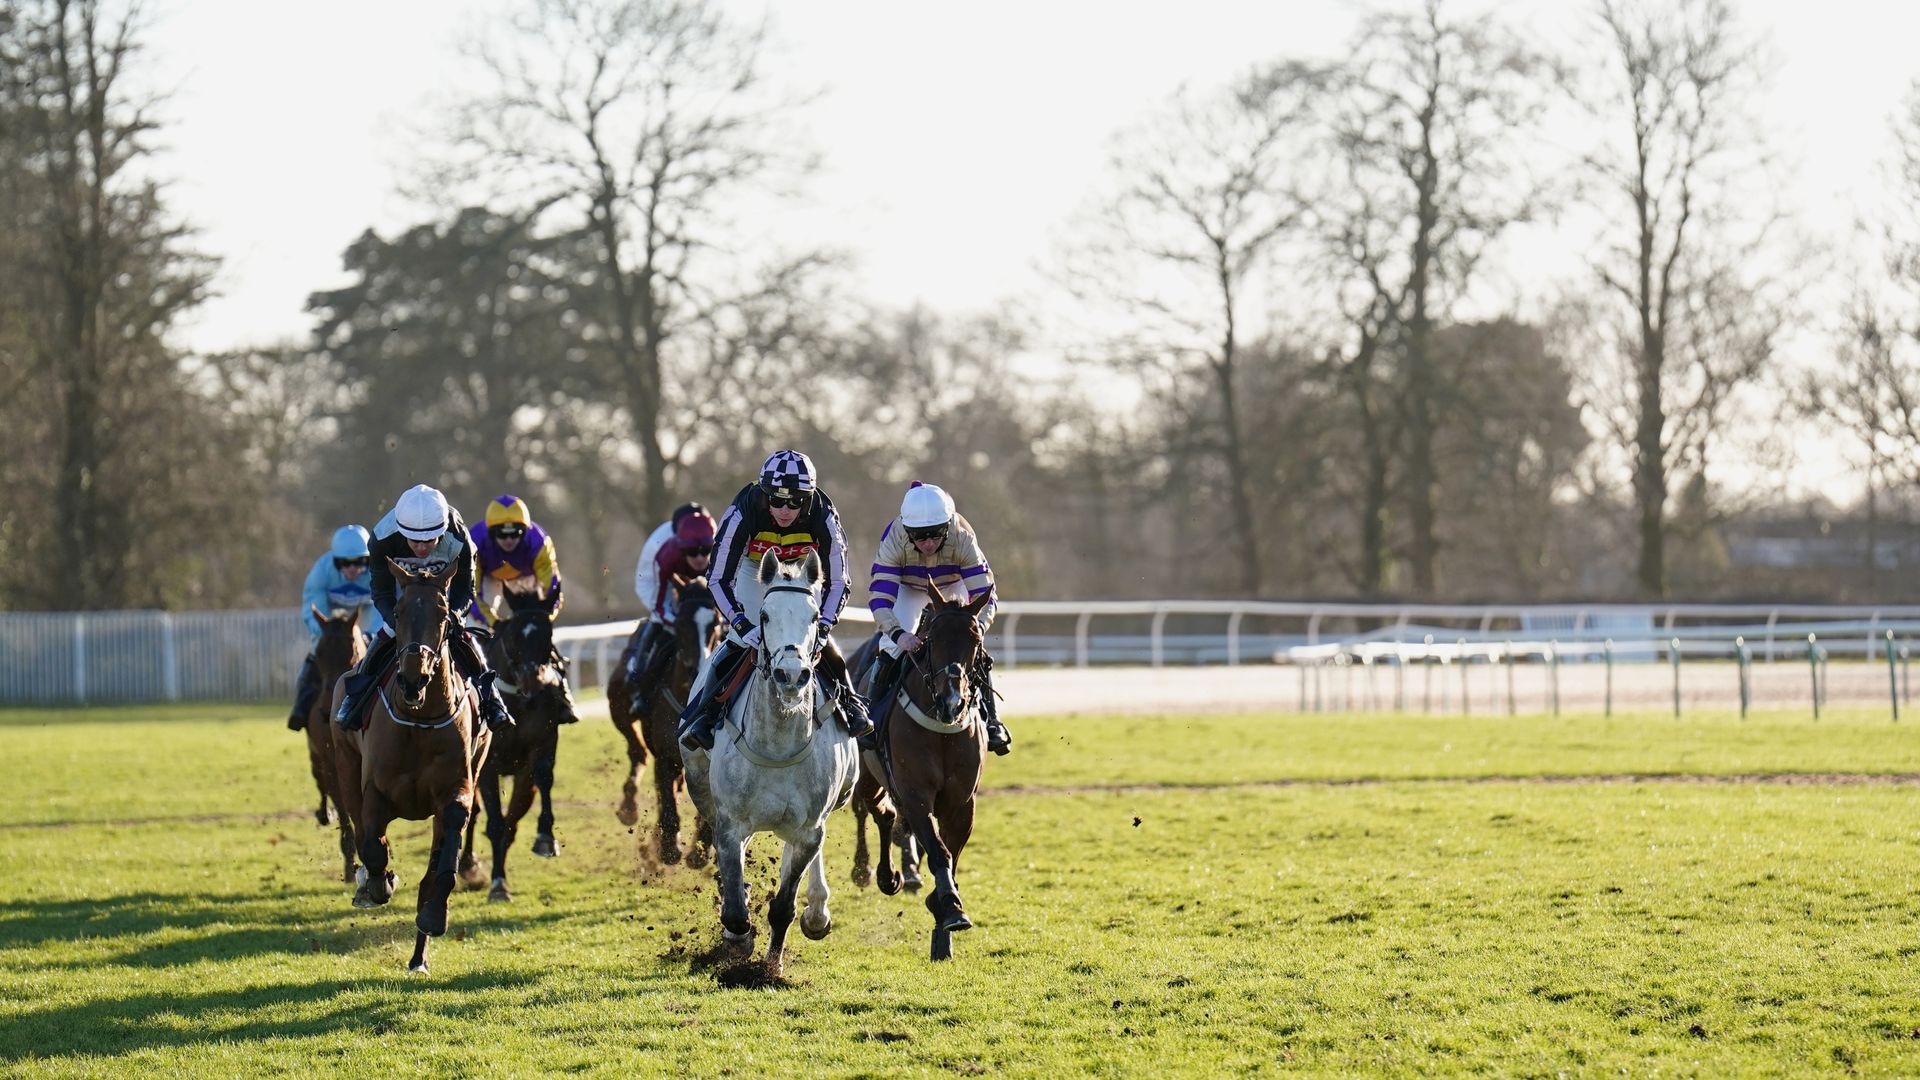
1287	357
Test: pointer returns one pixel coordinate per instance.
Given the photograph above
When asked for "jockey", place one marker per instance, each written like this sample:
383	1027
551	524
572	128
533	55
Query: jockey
336	583
787	514
517	556
646	575
928	546
422	528
681	559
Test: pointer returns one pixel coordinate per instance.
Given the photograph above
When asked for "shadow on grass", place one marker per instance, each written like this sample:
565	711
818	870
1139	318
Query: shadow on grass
193	929
265	712
370	1006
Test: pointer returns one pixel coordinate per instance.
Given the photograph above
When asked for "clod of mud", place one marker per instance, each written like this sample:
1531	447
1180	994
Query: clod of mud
750	975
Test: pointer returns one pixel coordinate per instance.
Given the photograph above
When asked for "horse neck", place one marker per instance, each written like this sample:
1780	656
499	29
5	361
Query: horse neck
778	726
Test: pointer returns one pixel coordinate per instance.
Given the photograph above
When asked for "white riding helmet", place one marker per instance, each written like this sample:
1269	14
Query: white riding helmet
925	506
421	513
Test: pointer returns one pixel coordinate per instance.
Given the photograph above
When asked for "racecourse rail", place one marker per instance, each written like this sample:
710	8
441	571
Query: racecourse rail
151	656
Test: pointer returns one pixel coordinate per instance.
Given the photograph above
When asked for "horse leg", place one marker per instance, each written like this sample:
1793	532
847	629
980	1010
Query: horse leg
437	884
944	902
794	861
886	822
502	830
544	845
376	879
345	776
318	755
910	856
667	772
862	859
729	856
698	790
816	921
629	810
486	781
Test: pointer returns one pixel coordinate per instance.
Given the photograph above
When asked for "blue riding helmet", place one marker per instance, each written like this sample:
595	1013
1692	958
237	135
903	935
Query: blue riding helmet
349	542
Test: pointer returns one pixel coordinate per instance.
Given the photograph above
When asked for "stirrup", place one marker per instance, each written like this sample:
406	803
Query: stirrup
698	735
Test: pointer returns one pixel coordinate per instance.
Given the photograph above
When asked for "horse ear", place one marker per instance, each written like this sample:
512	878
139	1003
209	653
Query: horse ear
316	613
979	603
933	591
353	619
445	575
769	566
812	568
398	570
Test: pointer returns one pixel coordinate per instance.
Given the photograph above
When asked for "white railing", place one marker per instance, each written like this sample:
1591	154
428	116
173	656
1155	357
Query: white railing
144	656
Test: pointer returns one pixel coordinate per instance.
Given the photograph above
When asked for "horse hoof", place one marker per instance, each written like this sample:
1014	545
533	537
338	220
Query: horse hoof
912	883
862	876
697	857
670	851
544	846
626	814
889	882
321	817
431	920
499	894
953	923
815	935
418	969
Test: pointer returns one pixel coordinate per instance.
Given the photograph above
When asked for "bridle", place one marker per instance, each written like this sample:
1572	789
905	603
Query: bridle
929	676
767	655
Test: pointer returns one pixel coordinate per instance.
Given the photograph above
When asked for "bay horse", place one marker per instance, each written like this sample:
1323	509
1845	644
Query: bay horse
936	749
782	764
416	755
697	629
521	649
341	645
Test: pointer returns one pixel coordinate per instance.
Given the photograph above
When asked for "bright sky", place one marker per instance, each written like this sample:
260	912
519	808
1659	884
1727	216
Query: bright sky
958	138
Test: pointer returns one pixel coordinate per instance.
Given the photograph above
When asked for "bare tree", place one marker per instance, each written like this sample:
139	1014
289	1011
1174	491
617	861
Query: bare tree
1430	125
1186	246
1684	169
101	272
642	120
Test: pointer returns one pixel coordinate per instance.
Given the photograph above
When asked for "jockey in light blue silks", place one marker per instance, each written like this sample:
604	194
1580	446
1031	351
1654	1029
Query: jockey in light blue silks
338	582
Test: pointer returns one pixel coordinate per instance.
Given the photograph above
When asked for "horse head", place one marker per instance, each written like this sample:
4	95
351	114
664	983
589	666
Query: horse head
340	644
696	624
421	616
953	647
527	636
789	621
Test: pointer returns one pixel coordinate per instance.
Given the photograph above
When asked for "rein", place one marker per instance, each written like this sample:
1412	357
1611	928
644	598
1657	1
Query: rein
913	709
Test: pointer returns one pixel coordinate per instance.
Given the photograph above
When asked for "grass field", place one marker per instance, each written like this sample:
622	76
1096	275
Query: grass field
1208	895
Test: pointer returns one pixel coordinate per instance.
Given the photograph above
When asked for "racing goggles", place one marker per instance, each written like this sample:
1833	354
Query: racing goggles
342	564
510	531
927	532
697	552
782	500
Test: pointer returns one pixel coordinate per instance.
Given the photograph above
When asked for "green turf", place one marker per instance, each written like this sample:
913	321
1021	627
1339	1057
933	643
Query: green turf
166	909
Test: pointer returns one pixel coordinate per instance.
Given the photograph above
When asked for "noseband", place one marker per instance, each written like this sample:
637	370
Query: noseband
951	672
767	655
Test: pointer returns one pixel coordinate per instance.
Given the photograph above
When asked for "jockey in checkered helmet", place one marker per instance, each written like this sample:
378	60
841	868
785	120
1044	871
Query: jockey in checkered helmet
783	513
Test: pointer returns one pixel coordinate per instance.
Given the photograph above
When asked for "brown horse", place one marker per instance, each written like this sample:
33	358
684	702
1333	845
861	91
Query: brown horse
870	798
340	647
521	650
697	629
936	749
416	756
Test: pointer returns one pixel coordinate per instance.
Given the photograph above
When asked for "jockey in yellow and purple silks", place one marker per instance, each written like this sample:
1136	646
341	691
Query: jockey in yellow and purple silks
516	556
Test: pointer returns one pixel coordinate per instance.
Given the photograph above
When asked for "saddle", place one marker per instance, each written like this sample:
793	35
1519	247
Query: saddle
741	673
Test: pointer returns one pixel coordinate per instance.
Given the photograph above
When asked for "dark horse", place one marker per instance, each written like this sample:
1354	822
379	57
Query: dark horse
522	651
697	629
340	647
936	746
416	756
870	797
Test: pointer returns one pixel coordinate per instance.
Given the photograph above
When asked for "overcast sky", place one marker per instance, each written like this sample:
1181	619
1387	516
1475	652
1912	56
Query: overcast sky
958	138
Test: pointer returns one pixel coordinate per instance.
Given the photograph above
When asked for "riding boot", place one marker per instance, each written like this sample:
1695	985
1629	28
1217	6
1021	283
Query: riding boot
999	740
848	704
363	679
472	663
305	689
569	712
648	659
702	714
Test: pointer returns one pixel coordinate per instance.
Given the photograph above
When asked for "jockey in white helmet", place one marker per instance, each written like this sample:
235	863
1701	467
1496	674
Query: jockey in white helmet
928	545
